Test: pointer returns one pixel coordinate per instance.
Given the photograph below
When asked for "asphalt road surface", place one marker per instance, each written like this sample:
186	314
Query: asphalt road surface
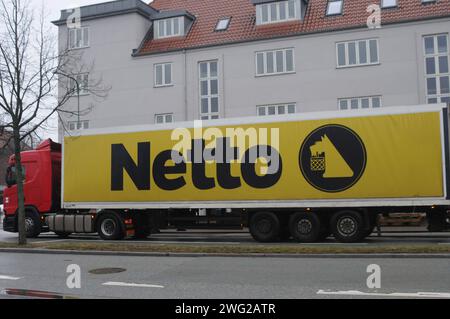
224	277
389	236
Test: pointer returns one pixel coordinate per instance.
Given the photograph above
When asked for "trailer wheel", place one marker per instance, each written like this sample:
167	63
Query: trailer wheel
109	227
264	226
32	224
347	226
305	227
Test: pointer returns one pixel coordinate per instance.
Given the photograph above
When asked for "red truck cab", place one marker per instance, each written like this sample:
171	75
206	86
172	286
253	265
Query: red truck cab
42	186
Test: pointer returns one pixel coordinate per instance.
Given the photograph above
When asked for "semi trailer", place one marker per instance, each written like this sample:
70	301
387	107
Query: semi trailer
301	176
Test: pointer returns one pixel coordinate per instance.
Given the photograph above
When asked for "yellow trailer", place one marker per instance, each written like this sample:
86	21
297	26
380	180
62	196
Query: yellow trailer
303	175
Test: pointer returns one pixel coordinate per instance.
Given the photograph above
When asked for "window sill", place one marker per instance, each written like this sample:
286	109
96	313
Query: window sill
80	48
163	86
273	74
357	65
80	95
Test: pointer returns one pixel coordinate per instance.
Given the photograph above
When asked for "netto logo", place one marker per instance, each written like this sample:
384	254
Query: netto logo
332	158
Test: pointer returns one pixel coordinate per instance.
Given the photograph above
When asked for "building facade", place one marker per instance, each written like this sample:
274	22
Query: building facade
182	60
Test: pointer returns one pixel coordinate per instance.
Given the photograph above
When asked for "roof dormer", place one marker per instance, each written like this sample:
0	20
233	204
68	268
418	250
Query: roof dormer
167	24
275	11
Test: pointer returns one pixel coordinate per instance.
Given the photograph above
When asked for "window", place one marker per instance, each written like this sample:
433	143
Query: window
223	24
275	62
276	109
163	74
166	28
388	3
356	103
78	125
83	84
356	53
334	7
163	118
209	90
437	74
428	1
279	11
78	38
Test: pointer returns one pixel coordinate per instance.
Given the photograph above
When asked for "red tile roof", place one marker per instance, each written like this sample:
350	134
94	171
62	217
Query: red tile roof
242	27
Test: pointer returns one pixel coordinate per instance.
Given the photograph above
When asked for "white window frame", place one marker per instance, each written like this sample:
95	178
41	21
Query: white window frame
358	63
437	75
279	6
337	13
73	126
164	117
359	99
284	106
163	75
225	27
82	78
384	6
209	78
164	23
81	43
274	57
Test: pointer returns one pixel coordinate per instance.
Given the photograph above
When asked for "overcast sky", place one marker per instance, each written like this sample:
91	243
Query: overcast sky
53	9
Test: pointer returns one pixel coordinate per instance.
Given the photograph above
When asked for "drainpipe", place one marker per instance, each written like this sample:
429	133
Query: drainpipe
185	86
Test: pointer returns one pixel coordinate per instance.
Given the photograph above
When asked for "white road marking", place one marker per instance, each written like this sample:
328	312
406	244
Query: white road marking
125	284
3	277
393	294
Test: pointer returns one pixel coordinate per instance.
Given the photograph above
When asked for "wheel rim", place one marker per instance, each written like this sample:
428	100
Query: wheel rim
108	227
347	226
29	224
264	226
304	226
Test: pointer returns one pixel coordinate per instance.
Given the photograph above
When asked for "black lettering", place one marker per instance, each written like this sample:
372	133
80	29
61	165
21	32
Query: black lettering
199	178
160	170
121	160
224	177
248	167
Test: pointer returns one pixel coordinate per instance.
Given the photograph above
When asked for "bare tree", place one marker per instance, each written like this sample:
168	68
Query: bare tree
32	70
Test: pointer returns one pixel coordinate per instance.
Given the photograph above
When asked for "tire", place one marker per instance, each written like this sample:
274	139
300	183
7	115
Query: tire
305	227
33	226
62	234
347	226
264	227
110	227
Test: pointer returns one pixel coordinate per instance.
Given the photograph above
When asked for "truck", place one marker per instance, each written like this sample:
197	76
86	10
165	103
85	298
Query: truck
303	176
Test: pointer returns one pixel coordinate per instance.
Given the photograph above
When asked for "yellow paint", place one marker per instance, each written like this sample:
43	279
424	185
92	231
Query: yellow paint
404	160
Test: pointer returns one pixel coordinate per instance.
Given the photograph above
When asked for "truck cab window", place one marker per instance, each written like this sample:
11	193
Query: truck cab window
11	175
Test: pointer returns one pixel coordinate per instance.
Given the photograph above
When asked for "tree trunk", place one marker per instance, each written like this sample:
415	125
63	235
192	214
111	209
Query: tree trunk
20	192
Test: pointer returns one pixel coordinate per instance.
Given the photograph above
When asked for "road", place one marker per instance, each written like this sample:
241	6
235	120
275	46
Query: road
214	237
223	277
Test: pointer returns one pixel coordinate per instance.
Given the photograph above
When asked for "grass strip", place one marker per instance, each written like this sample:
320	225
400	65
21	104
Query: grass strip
246	249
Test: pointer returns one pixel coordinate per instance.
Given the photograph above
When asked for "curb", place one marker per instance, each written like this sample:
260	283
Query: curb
248	255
